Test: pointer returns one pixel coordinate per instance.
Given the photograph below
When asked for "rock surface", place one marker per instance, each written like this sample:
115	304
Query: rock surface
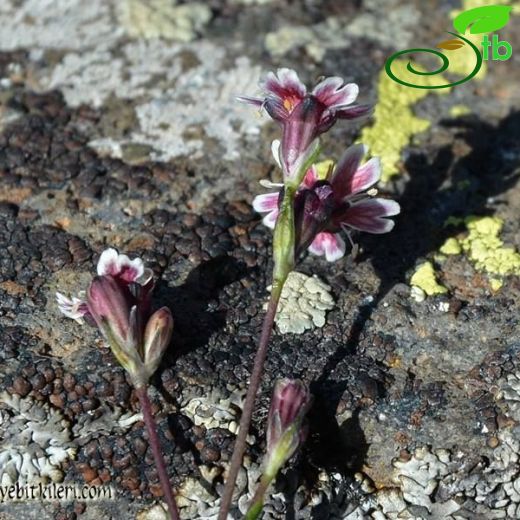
118	128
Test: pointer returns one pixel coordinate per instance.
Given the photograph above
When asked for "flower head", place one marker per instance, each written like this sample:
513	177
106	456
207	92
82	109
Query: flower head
119	304
128	273
343	200
305	115
285	423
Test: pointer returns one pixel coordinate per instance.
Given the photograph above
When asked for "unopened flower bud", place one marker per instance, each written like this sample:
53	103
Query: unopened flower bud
157	336
285	427
111	305
300	129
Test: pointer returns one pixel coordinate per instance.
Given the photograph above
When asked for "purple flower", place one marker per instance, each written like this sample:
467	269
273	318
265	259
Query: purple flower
353	207
110	304
128	273
119	304
304	116
285	423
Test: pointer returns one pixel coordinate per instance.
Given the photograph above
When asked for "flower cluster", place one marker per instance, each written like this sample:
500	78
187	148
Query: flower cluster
119	304
345	198
342	198
305	116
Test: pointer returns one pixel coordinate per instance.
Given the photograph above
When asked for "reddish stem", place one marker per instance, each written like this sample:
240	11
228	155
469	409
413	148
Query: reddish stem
247	412
155	444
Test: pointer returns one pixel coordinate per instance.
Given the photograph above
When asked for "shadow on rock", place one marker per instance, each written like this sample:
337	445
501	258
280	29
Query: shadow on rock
436	190
332	448
443	189
194	305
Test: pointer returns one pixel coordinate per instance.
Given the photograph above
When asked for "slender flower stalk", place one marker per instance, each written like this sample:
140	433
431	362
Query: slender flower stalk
284	262
257	504
119	304
249	403
155	445
309	212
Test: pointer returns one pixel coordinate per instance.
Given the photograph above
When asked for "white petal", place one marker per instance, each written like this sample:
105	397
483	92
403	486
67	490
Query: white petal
329	244
334	248
266	202
334	94
270	219
130	270
71	307
107	263
275	149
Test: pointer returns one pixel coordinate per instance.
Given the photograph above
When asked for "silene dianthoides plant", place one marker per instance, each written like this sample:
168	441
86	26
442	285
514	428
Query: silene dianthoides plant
286	431
310	210
118	303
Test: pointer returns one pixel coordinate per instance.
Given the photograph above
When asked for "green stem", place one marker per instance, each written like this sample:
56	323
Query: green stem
284	238
155	445
247	412
258	500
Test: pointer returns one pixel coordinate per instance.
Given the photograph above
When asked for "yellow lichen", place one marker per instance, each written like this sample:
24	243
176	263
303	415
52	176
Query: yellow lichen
462	61
451	247
483	246
472	4
459	110
486	250
395	123
424	278
495	284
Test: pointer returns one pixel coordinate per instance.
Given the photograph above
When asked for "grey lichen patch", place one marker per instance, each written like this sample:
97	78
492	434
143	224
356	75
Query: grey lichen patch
61	24
166	119
106	421
419	476
315	39
304	303
437	484
215	410
337	32
252	2
198	497
163	19
247	482
370	24
169	100
195	500
36	441
499	490
508	396
93	63
156	512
